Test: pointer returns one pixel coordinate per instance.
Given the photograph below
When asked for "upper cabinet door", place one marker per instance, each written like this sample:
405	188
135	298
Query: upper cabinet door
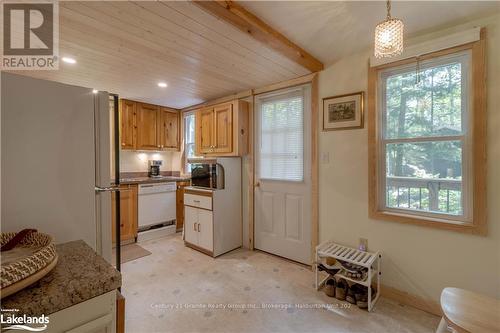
128	126
169	129
222	130
147	127
205	131
223	115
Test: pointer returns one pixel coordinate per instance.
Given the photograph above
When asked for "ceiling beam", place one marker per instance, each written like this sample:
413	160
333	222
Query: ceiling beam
238	16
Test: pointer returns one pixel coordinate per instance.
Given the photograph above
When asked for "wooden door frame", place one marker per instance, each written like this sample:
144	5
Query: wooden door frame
313	80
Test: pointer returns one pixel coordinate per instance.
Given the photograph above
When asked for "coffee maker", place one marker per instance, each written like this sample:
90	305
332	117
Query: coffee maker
154	168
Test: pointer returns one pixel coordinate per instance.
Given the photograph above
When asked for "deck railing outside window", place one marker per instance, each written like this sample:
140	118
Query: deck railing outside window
426	194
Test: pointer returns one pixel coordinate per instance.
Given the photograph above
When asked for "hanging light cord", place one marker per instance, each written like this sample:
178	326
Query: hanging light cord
388	9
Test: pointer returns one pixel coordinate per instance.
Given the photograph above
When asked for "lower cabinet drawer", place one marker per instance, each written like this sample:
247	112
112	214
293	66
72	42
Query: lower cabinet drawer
199	201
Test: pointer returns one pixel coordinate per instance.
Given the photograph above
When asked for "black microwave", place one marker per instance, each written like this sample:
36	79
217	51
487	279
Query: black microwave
207	175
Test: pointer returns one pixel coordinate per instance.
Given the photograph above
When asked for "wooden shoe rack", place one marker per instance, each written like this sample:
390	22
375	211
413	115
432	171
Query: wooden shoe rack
368	260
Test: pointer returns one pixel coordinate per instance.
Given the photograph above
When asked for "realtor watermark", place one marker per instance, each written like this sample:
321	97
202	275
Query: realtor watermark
30	33
11	320
249	306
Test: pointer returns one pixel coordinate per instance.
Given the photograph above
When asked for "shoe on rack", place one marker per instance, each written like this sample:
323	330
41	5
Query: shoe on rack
351	293
341	290
330	285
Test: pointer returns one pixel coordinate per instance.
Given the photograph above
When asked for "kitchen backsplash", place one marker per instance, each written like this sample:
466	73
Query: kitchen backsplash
133	161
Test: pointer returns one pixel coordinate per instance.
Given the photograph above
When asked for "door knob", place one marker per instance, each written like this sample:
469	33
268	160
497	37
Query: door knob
257	184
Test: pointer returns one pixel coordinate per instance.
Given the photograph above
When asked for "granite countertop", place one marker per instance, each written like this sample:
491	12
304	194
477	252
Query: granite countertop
146	180
80	274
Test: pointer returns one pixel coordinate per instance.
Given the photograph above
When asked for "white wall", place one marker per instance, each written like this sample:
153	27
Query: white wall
133	161
416	259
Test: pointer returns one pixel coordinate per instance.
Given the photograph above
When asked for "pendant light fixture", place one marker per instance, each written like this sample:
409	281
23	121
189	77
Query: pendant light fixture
389	36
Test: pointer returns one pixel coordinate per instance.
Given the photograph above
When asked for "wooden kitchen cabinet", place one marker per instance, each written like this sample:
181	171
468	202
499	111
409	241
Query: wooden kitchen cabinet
128	213
222	129
148	119
128	126
169	129
204	138
223	138
149	127
180	205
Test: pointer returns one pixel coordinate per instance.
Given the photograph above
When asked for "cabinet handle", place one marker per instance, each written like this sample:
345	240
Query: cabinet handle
197	201
198	227
194	227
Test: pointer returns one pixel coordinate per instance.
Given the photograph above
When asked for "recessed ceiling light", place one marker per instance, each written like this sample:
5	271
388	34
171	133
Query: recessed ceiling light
162	84
95	91
69	60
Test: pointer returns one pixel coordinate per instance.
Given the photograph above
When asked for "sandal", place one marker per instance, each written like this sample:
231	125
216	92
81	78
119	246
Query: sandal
330	285
341	291
331	271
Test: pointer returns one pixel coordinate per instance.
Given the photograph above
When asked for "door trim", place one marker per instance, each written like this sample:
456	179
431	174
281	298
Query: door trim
313	80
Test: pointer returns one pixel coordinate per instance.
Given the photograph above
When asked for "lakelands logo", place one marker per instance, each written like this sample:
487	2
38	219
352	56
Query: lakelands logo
26	323
30	34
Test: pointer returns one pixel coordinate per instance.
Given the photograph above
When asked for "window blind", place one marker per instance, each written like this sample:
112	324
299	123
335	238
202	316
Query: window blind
189	140
282	136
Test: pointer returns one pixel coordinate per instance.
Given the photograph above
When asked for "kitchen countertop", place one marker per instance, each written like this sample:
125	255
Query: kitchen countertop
200	189
147	180
80	274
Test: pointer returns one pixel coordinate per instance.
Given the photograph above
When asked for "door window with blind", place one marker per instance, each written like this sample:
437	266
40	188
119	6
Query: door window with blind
282	136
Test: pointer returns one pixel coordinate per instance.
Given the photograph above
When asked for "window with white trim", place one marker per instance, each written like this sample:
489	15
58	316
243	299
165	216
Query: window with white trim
425	139
189	140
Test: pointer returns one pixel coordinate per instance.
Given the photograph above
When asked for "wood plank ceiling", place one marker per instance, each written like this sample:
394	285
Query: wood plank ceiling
128	47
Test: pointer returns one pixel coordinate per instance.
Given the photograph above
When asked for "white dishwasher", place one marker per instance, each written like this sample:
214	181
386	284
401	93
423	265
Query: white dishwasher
157	204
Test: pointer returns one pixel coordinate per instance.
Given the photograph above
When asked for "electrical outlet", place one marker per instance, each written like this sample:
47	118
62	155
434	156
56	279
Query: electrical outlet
325	157
363	244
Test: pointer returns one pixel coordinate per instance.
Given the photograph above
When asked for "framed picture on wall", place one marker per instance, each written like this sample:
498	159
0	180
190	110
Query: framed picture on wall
343	111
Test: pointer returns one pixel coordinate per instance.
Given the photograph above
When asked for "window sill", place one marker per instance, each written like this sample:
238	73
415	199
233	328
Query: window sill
436	223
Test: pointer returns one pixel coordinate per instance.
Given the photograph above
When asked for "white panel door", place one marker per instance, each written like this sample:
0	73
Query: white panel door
190	225
283	173
205	230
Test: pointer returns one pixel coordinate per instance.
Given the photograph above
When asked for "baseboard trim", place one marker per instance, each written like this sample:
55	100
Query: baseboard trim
197	248
406	298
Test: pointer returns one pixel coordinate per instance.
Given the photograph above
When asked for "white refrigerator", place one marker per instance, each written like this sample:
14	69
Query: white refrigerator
55	151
